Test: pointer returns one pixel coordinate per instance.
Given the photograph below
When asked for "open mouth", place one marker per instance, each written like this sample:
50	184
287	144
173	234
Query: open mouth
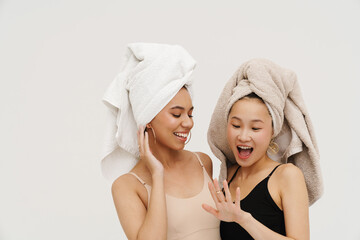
181	136
244	151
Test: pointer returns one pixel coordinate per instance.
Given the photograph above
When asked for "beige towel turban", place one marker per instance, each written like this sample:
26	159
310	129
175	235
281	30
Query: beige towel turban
293	130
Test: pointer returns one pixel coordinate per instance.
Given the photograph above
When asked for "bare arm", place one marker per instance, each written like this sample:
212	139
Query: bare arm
155	223
137	221
294	201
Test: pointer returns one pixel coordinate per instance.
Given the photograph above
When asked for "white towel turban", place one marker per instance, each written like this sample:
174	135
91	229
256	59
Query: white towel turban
151	76
293	130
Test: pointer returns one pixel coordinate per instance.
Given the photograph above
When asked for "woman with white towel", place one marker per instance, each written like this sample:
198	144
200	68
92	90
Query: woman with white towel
261	132
162	186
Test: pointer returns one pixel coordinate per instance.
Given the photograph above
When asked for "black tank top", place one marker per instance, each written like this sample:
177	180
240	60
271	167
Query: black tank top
261	206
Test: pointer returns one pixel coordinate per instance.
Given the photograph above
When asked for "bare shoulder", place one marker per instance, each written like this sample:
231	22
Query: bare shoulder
124	183
290	175
206	161
128	185
289	171
126	190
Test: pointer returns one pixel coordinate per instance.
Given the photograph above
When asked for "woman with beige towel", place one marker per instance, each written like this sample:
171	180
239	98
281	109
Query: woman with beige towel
261	132
162	186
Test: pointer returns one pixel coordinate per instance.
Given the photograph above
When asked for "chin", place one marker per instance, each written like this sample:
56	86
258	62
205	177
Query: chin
177	147
245	162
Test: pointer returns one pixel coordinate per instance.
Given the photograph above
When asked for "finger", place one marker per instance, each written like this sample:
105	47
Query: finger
211	210
227	192
213	193
138	137
146	143
219	193
237	197
141	139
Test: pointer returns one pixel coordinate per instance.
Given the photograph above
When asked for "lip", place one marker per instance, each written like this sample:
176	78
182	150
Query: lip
244	157
241	156
243	145
183	139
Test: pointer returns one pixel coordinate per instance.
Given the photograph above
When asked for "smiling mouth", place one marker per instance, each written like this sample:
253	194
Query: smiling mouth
181	136
244	152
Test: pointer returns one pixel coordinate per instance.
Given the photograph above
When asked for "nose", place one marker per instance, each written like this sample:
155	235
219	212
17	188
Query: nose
187	122
244	136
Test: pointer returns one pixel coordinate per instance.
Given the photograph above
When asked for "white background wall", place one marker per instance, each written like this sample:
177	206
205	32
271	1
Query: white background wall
58	57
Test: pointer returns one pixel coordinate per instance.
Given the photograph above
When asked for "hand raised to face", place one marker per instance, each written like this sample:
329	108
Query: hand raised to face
153	164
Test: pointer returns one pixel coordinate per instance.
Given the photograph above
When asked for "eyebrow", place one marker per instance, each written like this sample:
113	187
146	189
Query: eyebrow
181	108
254	120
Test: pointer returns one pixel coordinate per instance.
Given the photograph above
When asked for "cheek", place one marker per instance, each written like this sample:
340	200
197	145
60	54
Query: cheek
170	121
264	138
230	133
166	119
162	121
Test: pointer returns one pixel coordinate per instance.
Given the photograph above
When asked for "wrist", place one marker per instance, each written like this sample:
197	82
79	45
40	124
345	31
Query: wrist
157	175
156	171
244	219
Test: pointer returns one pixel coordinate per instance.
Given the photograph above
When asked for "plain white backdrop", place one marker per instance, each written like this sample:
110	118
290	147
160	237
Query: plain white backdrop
58	57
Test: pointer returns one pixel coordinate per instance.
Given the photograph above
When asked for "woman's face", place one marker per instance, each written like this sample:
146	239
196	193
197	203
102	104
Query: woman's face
174	122
249	131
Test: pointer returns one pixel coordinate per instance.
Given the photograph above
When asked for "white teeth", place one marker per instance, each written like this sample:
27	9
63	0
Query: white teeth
183	135
243	147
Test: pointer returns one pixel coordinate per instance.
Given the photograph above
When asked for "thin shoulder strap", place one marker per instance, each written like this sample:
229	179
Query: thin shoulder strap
147	187
274	170
138	178
198	158
234	175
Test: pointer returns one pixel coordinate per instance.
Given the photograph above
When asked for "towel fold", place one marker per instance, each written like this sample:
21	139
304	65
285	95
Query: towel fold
151	76
293	130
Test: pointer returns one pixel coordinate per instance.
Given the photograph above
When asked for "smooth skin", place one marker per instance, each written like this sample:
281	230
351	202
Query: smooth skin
165	166
250	125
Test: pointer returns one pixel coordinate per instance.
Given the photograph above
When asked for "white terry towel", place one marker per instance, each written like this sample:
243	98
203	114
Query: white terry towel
151	76
293	130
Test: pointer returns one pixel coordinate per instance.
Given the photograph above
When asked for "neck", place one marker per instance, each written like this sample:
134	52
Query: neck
255	168
167	156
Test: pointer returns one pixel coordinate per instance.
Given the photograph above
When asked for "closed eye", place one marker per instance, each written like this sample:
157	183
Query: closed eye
256	129
177	116
235	126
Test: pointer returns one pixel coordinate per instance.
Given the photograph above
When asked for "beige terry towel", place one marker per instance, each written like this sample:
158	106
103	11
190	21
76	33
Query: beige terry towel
293	130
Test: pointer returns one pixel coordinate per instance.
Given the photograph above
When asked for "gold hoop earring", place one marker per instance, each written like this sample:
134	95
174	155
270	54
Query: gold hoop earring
273	148
188	138
154	134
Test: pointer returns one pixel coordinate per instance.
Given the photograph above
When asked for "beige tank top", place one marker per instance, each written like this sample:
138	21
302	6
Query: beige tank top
187	220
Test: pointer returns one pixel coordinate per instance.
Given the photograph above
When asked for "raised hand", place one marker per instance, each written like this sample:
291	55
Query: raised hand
226	210
154	165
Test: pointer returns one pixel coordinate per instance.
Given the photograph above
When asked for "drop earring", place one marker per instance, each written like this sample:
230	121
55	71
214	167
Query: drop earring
273	148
